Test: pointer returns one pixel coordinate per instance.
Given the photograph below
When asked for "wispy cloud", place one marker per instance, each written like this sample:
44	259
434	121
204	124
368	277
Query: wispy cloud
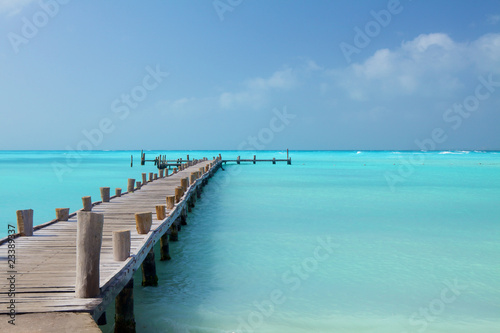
13	7
493	19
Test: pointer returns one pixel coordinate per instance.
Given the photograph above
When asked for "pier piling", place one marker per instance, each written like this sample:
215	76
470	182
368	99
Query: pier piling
124	309
149	277
87	203
164	249
25	222
105	194
121	245
62	214
88	250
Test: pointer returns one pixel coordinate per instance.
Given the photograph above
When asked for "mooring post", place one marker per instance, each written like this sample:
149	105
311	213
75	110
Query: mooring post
25	222
178	194
185	184
62	214
143	222
274	160
254	159
160	212
130	185
144	178
166	172
88	250
155	176
170	201
175	170
164	250
161	173
138	185
149	277
124	309
87	203
150	176
118	192
238	160
104	194
121	245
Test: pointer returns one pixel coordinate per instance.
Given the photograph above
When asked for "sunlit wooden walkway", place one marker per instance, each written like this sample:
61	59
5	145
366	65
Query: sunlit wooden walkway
45	267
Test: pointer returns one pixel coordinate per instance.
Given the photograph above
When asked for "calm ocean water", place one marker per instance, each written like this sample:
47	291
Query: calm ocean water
337	242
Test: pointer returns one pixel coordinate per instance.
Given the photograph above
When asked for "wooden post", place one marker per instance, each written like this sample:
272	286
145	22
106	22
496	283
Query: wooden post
25	222
254	159
155	176
138	185
130	185
164	249
124	309
193	177
185	184
62	214
104	194
184	216
144	178
289	162
143	222
220	157
131	160
274	160
88	250
238	160
160	212
166	172
170	201
87	203
178	194
198	192
189	205
287	153
174	233
149	277
121	245
161	173
118	192
150	176
175	170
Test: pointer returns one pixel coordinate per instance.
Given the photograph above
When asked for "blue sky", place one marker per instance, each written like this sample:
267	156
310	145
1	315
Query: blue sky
241	74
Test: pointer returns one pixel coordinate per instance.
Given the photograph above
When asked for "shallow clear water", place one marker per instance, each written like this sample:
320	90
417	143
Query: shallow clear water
337	242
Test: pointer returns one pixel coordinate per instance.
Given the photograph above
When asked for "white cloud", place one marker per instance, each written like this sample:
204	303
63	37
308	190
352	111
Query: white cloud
13	7
256	90
430	64
493	19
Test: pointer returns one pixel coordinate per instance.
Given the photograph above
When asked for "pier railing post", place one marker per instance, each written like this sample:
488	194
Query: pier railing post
144	178
161	173
150	176
87	203
118	192
164	248
88	250
138	185
130	185
25	222
143	222
170	201
124	309
105	194
62	214
178	194
149	277
121	245
160	212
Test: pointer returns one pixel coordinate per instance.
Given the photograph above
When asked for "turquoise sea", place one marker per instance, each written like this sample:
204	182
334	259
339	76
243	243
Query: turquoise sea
337	242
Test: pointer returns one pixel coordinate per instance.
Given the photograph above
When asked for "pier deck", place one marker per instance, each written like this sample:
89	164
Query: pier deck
45	268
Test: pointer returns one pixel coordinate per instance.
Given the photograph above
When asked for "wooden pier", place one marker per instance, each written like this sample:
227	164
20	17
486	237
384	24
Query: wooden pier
49	288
